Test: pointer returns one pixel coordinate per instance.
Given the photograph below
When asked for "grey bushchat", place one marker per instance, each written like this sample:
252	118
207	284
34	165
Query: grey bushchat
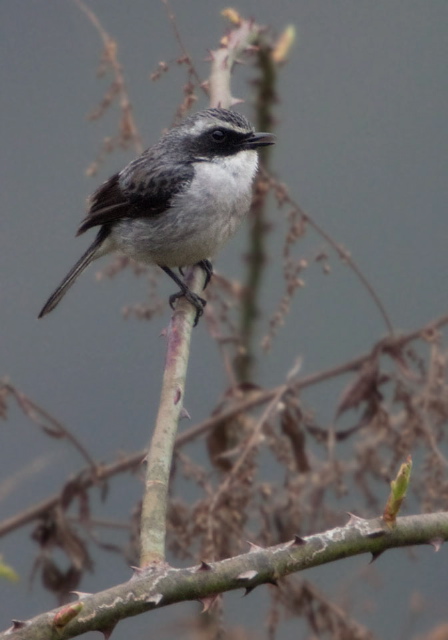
177	203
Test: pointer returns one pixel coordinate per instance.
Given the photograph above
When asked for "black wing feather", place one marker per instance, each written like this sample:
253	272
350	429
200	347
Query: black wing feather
147	193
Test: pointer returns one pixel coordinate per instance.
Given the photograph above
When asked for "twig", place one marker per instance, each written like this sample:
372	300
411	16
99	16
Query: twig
47	422
347	258
249	445
261	397
159	460
284	197
87	480
180	42
223	60
128	126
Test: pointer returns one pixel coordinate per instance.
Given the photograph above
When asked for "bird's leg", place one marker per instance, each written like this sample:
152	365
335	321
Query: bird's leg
197	302
206	266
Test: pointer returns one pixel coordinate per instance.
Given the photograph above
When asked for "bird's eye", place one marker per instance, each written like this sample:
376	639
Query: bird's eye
218	135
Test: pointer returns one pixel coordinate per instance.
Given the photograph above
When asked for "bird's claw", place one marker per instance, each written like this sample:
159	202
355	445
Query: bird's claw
206	266
197	302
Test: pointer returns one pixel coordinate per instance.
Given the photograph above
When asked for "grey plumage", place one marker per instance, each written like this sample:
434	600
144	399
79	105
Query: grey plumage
179	201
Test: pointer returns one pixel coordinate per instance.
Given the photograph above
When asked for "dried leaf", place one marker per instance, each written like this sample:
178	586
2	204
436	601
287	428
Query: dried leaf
363	388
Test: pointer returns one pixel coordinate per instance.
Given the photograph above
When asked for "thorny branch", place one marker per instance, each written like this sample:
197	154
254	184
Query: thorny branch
162	586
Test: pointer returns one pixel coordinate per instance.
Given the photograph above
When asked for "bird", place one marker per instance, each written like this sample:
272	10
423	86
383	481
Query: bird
178	202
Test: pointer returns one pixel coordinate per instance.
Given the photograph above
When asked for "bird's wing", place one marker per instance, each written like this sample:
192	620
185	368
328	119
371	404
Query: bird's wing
136	192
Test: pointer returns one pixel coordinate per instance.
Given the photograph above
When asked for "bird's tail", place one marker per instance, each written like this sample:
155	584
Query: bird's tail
84	261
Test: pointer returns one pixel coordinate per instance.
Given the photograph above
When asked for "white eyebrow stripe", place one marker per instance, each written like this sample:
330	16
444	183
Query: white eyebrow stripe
202	125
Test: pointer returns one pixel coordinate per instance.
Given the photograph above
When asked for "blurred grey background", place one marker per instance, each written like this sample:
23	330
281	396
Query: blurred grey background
363	144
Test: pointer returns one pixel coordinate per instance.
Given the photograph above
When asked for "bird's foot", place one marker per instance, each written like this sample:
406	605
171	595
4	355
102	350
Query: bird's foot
197	302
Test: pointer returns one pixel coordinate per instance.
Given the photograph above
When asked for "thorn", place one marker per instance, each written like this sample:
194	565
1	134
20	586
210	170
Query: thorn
184	414
375	556
378	533
298	541
253	548
155	598
136	571
204	566
148	569
247	591
17	624
81	594
354	520
436	543
208	602
107	631
235	101
247	575
295	369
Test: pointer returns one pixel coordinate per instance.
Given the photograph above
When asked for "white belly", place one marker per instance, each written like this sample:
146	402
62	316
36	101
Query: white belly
199	220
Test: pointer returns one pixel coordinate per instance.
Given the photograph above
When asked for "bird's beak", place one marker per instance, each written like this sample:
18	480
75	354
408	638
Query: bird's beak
259	139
